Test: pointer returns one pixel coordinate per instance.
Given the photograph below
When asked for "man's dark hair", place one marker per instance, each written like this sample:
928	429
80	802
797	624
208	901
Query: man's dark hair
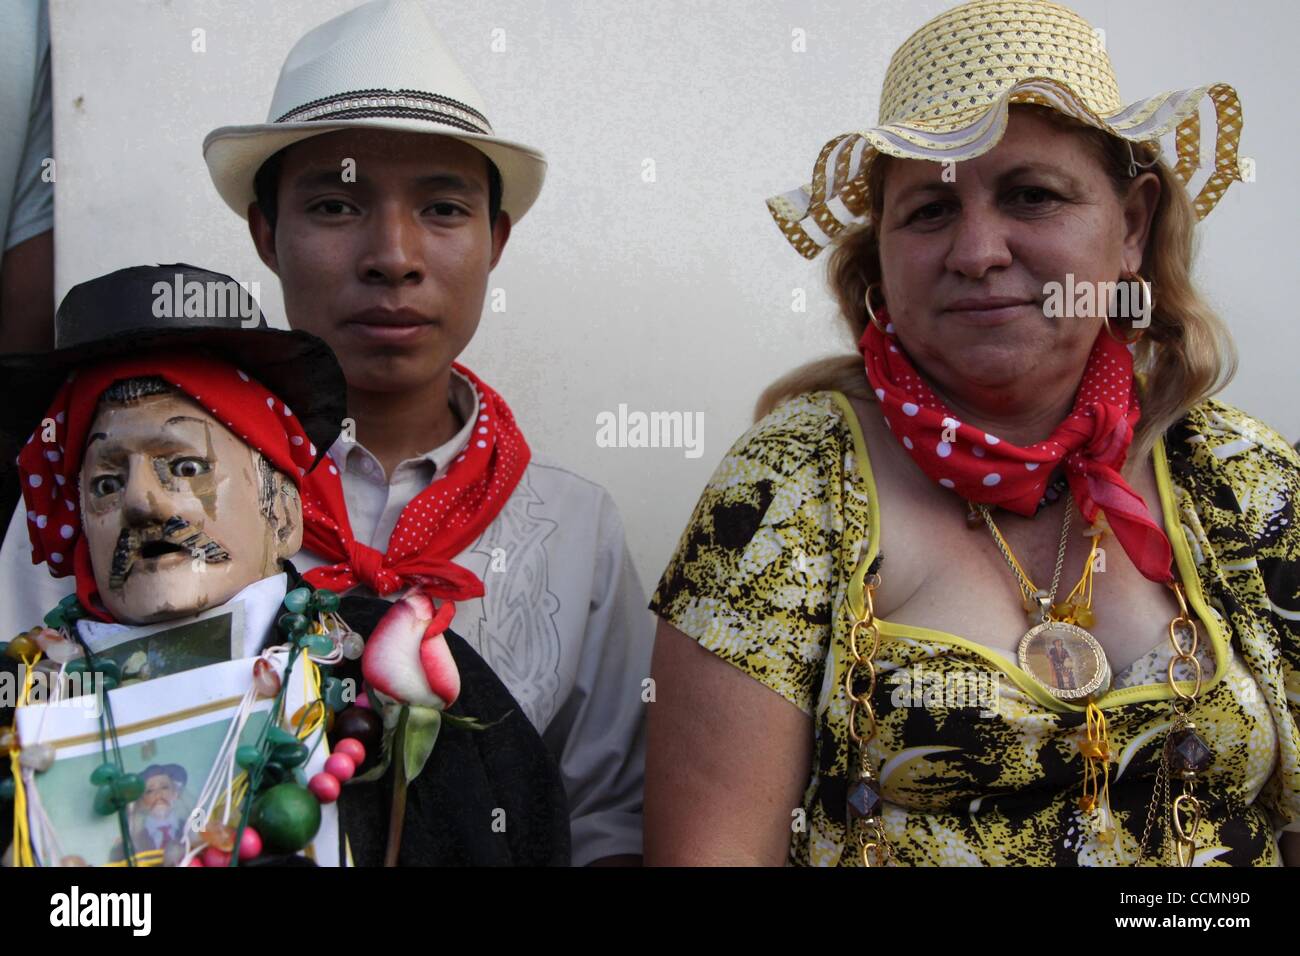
267	182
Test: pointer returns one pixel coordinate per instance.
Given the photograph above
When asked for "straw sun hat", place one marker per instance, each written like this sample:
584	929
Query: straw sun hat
946	95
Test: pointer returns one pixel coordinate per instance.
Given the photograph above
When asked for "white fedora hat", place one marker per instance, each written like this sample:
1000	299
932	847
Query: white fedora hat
380	66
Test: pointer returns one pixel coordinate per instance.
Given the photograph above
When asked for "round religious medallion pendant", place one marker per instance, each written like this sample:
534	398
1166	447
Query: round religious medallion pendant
1065	659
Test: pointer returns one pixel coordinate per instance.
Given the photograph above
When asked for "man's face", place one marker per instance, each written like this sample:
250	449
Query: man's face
172	510
390	269
160	793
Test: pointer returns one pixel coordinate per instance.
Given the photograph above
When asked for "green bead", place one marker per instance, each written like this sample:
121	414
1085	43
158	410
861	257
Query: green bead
248	756
333	691
109	669
290	755
7	788
55	619
286	817
128	787
273	775
277	736
105	801
325	601
297	600
77	666
71	608
104	773
4	646
294	624
319	644
110	682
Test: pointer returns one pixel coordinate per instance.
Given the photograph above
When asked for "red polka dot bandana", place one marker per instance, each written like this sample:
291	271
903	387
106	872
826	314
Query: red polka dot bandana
49	463
1091	444
438	523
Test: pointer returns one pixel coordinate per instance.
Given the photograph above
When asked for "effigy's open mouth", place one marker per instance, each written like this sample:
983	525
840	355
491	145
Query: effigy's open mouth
175	536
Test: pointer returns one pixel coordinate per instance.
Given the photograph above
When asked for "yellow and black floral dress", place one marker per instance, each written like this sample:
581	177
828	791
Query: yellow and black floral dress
987	770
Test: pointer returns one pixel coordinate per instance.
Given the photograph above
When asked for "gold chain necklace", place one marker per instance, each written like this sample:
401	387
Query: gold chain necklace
1057	651
1069	663
1184	755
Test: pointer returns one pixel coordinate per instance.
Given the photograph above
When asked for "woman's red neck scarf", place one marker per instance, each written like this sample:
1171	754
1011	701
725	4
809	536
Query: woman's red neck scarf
1091	443
439	523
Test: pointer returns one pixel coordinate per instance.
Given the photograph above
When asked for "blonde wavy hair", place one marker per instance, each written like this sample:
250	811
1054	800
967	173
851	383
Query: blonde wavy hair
1187	353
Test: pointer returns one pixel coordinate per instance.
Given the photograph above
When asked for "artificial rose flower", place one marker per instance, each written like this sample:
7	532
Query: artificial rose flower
407	657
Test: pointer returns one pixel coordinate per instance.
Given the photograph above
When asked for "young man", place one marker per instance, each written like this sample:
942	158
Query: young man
379	195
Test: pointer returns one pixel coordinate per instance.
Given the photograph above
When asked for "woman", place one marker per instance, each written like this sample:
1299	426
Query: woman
847	671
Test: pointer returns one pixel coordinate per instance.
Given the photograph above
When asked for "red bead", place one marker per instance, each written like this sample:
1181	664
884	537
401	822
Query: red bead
214	857
353	748
250	844
197	861
341	766
325	787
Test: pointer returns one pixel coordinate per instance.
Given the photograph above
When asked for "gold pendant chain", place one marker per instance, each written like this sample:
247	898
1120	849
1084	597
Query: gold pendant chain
864	803
1032	595
1184	755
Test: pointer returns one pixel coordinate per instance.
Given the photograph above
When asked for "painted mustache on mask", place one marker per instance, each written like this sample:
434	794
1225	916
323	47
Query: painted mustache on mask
155	541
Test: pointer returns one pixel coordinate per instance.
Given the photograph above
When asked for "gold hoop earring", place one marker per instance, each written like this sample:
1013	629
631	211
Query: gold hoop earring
1148	304
871	312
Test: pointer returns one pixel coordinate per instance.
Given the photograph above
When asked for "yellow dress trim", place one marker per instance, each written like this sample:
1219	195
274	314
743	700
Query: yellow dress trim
1127	695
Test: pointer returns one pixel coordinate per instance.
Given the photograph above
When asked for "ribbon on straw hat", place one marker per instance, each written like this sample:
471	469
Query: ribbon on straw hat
947	92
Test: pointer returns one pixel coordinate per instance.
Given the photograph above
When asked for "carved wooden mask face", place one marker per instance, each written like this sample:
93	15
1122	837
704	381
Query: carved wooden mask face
179	514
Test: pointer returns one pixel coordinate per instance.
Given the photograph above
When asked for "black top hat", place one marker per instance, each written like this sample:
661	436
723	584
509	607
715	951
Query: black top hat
164	308
173	770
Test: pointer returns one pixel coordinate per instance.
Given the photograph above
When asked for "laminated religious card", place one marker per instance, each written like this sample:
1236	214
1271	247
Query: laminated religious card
180	749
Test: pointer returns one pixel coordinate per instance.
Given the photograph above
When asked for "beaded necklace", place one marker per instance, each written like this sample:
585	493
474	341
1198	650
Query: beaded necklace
276	811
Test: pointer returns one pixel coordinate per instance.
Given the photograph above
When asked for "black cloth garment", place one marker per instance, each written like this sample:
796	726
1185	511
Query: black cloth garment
485	798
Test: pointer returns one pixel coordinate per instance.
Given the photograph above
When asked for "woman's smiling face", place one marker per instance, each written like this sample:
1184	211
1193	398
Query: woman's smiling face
996	230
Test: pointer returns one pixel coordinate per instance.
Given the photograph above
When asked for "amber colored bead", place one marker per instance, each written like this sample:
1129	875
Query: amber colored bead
219	835
1087	804
1084	617
22	648
9	741
1106	836
1096	749
304	715
974	519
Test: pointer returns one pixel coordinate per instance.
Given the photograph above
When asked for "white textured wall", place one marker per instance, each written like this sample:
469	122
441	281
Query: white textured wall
672	295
